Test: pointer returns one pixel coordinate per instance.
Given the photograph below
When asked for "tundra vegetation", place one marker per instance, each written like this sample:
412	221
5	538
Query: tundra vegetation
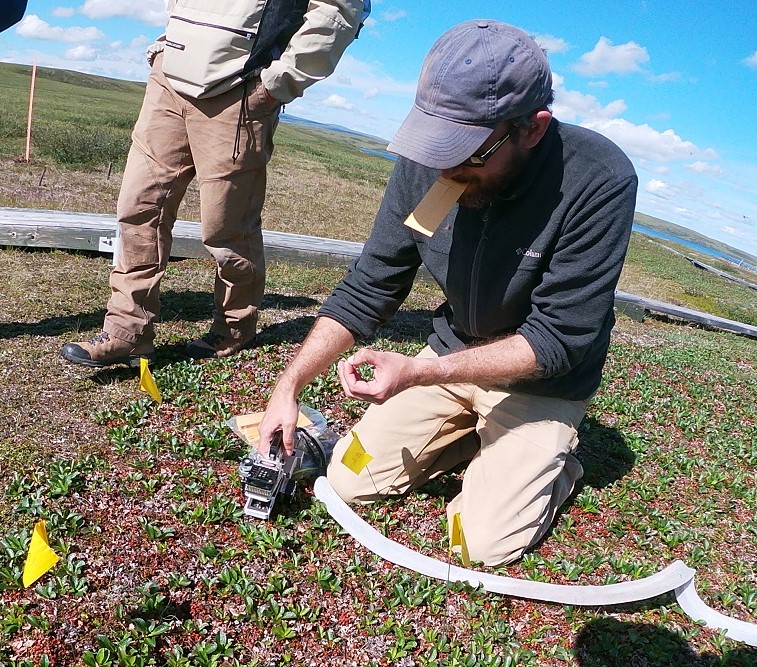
142	501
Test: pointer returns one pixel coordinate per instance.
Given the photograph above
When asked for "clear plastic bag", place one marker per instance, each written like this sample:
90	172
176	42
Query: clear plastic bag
314	441
316	454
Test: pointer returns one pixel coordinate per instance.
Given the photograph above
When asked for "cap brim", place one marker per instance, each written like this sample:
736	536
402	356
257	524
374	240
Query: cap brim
435	142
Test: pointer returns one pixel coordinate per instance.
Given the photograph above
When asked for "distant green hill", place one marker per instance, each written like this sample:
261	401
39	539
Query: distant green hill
79	119
76	78
65	96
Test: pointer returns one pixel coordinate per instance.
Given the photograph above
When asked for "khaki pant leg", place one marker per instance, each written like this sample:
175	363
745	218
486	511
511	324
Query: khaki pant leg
411	437
158	170
524	471
232	193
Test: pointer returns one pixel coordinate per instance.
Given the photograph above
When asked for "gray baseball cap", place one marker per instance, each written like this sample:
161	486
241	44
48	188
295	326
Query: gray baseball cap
475	75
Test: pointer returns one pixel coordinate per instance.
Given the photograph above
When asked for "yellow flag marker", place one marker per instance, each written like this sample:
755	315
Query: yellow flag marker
40	557
457	540
147	382
356	458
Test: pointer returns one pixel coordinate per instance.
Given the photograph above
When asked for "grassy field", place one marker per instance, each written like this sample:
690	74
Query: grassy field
159	567
651	271
83	123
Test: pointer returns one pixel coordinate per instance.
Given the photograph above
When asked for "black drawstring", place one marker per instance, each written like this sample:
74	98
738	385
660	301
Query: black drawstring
243	116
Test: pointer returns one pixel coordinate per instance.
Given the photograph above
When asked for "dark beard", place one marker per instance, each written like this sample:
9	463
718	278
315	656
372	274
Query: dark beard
476	196
481	193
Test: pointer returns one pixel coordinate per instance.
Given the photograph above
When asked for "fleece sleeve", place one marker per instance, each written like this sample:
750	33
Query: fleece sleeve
572	306
315	49
380	279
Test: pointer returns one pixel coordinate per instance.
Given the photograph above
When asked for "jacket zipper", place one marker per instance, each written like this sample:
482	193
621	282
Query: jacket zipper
243	33
475	270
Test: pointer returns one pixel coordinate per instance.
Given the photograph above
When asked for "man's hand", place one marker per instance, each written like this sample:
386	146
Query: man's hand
490	365
282	413
392	373
325	342
270	100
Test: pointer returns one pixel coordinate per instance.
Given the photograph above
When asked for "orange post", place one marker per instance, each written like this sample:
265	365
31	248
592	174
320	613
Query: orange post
29	121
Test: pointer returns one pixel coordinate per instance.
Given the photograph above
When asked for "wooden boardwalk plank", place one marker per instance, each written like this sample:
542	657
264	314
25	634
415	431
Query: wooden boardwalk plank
38	228
722	274
695	316
89	231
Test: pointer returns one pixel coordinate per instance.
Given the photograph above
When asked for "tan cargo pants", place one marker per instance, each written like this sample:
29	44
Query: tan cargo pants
520	451
176	137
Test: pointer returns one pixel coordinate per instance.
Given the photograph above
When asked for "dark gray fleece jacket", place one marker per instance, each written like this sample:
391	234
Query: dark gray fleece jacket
543	260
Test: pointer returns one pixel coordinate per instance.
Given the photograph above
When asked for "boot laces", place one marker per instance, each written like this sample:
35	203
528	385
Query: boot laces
102	337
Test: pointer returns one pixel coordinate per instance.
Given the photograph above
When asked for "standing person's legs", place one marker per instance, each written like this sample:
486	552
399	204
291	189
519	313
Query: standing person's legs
232	193
523	472
158	170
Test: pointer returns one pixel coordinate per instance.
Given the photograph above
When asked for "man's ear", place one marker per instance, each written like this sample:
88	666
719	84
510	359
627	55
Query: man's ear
533	136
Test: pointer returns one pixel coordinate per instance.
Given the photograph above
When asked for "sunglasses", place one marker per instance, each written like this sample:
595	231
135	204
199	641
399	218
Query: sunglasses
480	160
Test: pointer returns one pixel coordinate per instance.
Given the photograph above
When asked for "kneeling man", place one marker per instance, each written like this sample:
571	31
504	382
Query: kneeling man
528	260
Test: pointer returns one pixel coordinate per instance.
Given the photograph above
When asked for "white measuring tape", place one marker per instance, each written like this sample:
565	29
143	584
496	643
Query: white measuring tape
676	577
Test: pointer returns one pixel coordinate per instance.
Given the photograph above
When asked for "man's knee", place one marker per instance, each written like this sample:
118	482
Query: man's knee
492	550
351	488
496	542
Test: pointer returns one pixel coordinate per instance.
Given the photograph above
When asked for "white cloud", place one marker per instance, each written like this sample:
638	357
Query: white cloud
391	15
598	84
605	58
152	12
372	92
701	167
714	214
646	143
571	105
659	188
33	27
140	42
63	12
666	77
338	102
81	52
552	44
363	76
751	61
120	63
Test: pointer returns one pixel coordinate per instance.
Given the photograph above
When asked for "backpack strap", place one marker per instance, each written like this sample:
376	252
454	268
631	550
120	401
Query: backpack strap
278	23
280	20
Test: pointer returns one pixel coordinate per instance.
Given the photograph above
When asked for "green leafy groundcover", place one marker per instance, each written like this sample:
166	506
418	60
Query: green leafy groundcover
160	567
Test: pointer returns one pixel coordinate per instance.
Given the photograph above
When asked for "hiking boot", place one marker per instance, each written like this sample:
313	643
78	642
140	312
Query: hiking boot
106	350
215	346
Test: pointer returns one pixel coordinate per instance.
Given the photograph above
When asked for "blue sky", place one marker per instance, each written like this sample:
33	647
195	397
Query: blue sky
673	83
